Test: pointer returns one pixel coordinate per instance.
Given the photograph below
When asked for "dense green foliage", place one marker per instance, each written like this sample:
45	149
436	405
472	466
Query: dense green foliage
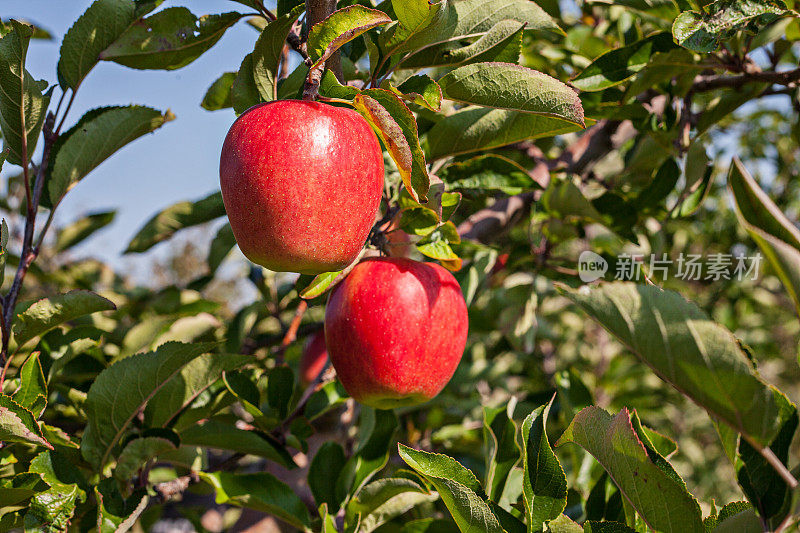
518	136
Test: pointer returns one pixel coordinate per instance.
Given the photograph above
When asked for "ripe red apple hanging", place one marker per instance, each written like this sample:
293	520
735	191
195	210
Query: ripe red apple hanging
395	331
301	182
313	359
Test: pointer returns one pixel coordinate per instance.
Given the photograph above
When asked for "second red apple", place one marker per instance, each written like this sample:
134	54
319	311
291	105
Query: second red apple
396	331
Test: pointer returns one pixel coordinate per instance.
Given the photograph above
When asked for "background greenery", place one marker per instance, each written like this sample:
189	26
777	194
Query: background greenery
217	431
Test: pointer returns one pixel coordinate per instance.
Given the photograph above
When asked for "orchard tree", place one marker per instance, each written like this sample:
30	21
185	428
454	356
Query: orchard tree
582	212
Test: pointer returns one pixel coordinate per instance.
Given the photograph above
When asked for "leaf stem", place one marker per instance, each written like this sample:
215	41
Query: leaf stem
66	111
774	462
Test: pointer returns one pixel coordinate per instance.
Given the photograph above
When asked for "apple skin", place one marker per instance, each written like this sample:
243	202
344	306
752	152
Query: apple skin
301	182
314	358
396	331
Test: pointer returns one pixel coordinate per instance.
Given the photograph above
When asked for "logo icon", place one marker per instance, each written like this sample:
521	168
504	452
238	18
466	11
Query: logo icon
591	266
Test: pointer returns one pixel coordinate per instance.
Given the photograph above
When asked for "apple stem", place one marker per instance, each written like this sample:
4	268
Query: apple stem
311	87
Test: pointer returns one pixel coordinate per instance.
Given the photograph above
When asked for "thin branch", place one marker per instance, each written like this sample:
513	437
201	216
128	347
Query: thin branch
25	162
592	146
749	74
291	332
279	432
28	254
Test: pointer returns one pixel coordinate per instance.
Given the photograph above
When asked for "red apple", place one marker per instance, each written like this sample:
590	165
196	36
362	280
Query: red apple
301	182
396	330
314	358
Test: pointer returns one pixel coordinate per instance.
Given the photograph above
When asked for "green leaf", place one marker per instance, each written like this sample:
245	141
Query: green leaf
478	129
22	104
699	176
453	21
20	487
52	511
58	470
218	95
563	524
776	235
436	245
217	434
168	40
573	394
418	220
244	91
606	527
328	522
82	229
137	453
662	67
325	469
114	513
766	490
176	217
544	485
503	42
97	135
267	54
510	86
18	424
395	125
458	487
45	314
376	428
619	65
430	525
260	491
340	27
655	442
32	391
95	30
659	497
697	356
331	395
320	284
292	86
727	102
280	388
564	200
488	172
420	89
704	32
110	408
738	517
664	181
194	378
221	246
501	449
384	499
441	466
242	385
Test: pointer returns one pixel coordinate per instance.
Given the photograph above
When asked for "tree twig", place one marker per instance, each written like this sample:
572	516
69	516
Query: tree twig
291	332
592	146
749	74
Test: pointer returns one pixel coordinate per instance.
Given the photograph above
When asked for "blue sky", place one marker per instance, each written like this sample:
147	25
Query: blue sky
178	162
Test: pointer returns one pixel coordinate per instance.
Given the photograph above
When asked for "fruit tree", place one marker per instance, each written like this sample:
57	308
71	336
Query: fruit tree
475	266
